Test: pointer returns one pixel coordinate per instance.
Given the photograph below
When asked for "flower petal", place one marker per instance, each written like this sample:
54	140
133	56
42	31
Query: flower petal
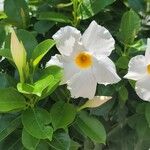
98	40
55	60
105	71
147	52
66	38
137	68
83	85
142	88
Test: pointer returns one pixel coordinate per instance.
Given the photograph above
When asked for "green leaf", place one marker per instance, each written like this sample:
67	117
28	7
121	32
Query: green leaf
28	41
147	113
61	141
8	125
62	114
6	53
89	8
129	28
74	145
57	74
53	16
122	62
36	122
17	12
123	94
43	26
91	127
10	99
36	88
7	81
41	50
28	141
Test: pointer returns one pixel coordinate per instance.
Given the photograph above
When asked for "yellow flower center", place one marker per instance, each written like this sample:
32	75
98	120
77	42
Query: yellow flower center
84	60
148	69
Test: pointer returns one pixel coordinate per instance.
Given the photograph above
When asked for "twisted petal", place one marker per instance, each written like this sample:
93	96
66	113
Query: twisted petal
147	53
105	71
98	40
67	39
142	88
137	68
82	84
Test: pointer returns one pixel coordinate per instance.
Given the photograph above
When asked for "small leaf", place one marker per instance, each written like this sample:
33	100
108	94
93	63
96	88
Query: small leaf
95	102
122	62
61	141
6	53
28	141
130	26
36	122
123	94
89	8
62	114
53	16
10	100
41	50
91	127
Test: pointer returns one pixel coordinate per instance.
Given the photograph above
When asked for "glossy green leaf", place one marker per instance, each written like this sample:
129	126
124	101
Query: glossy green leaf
36	122
8	125
57	74
62	114
17	12
6	53
36	88
10	99
89	8
122	62
61	141
41	50
129	28
53	16
28	141
91	127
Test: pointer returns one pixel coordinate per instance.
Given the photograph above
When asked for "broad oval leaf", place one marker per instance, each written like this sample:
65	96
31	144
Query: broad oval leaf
62	114
36	122
10	100
28	141
147	113
91	127
130	26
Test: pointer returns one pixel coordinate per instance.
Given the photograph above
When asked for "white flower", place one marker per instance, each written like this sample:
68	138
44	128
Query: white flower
85	59
139	70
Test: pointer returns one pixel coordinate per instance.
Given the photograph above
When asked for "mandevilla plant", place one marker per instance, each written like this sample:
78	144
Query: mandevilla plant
73	75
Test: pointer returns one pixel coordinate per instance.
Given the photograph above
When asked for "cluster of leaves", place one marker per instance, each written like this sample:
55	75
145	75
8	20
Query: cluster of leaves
37	113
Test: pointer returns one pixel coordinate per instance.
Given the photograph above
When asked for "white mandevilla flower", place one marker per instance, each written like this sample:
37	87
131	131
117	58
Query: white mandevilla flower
139	70
85	59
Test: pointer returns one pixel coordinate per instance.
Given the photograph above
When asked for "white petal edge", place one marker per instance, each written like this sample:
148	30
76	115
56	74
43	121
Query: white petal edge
55	60
105	71
66	39
137	68
83	85
142	88
98	40
147	52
